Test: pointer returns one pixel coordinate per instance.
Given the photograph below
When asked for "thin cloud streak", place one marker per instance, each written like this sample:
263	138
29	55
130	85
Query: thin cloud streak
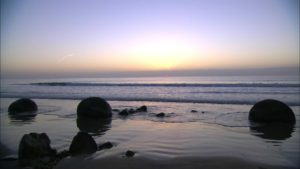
62	59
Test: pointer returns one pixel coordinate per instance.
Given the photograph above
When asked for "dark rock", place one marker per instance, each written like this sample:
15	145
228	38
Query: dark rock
194	111
35	148
94	107
93	125
203	112
142	109
22	105
117	110
124	112
106	145
267	111
82	143
129	153
131	111
160	114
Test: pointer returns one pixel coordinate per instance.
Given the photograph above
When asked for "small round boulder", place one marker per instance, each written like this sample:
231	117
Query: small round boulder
94	107
270	110
22	105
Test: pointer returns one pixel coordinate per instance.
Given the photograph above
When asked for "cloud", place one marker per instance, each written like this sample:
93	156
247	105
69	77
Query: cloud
60	60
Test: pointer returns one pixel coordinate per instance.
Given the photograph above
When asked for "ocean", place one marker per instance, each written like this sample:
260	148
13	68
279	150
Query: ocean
206	123
202	89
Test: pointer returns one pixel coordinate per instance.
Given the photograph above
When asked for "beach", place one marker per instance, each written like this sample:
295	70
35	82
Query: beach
211	136
149	84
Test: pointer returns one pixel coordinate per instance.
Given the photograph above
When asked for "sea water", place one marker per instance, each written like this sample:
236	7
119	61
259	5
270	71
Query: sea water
203	89
218	126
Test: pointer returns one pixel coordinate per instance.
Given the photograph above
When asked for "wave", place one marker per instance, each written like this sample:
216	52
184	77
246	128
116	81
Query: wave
143	99
168	84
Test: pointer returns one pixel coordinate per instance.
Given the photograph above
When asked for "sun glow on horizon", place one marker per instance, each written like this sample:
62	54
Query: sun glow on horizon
162	53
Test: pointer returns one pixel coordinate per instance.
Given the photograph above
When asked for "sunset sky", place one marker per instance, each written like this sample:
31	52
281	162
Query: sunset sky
146	35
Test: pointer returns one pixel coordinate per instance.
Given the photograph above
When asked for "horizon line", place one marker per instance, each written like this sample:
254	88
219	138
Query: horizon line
291	70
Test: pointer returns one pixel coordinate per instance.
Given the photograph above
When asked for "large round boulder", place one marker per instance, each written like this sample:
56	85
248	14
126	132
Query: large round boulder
270	110
22	105
94	107
82	143
34	148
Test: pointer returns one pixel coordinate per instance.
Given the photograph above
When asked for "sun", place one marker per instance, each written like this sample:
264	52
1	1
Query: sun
162	54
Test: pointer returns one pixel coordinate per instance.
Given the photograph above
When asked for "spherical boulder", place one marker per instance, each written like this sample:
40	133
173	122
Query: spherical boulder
82	143
94	107
22	105
270	110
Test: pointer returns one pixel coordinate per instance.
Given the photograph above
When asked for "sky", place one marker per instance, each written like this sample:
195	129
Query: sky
72	36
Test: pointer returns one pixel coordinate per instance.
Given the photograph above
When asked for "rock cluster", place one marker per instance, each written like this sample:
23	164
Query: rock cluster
126	112
93	115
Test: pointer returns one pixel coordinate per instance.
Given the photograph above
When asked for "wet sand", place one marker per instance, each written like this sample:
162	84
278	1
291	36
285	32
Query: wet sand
174	163
218	138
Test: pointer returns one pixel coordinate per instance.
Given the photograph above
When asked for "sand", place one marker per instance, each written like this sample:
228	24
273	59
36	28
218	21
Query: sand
218	138
174	163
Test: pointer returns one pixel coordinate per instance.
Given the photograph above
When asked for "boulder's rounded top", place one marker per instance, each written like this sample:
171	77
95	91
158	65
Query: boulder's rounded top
270	110
22	105
94	107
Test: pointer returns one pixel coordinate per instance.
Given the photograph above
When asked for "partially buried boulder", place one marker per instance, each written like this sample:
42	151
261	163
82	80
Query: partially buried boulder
142	109
129	153
270	110
124	112
22	105
94	107
82	143
35	149
160	114
106	145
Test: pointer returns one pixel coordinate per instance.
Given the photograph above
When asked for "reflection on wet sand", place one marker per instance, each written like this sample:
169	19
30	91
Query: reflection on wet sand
22	117
274	131
95	126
